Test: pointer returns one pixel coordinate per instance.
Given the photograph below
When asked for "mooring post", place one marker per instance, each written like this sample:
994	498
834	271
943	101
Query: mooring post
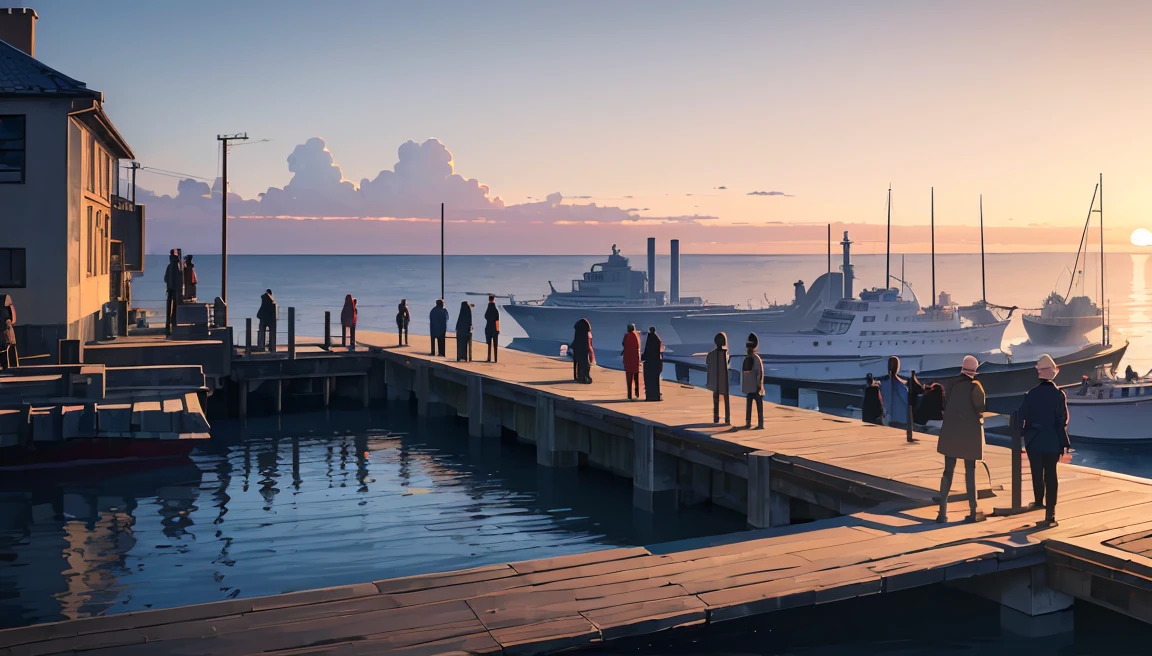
1017	465
248	337
908	407
327	330
291	333
653	473
760	489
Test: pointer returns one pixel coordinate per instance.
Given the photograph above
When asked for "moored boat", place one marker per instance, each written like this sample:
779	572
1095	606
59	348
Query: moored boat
1107	408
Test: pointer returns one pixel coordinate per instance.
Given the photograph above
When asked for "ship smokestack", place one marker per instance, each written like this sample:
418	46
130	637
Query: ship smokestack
799	285
846	267
674	279
652	266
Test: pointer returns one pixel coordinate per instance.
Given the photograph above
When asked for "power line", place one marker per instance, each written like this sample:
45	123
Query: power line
159	171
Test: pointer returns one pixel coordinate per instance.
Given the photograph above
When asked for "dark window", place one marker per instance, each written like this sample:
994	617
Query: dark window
12	149
13	268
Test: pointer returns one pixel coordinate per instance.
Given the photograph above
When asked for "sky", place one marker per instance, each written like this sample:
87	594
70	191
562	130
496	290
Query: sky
671	113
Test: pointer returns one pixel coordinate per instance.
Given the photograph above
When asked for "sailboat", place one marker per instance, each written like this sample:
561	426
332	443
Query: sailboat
1067	320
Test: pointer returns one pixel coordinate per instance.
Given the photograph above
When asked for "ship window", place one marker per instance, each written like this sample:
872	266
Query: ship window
829	342
815	343
869	319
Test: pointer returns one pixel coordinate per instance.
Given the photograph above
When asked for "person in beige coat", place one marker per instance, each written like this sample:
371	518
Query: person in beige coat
962	436
752	382
717	362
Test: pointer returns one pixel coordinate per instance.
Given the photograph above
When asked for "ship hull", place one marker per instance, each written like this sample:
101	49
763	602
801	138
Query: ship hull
1059	332
1110	420
555	323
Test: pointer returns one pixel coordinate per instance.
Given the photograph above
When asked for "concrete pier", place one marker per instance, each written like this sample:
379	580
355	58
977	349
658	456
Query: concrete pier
865	493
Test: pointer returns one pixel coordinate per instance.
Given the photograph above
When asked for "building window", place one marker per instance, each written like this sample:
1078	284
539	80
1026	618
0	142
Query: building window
12	132
91	236
13	270
90	160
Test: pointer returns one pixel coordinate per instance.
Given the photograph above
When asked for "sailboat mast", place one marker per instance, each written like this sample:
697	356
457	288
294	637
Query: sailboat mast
888	244
828	282
983	287
1103	315
933	220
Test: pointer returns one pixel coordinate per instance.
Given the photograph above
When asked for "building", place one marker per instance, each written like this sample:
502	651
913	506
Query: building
63	226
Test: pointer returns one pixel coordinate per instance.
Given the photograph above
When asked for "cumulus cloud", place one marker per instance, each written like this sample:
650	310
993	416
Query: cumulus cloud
768	193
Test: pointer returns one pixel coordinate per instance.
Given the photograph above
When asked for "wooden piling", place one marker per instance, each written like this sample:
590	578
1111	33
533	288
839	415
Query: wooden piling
248	337
291	334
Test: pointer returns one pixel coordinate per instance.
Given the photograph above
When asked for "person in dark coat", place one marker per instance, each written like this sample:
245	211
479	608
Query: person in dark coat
174	283
752	382
653	358
631	357
582	353
403	318
464	333
931	406
872	410
9	357
1043	420
348	321
895	392
438	327
266	321
916	391
189	279
717	378
962	435
1130	375
492	329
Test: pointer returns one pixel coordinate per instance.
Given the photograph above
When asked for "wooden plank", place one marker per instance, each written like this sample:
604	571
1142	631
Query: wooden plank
428	581
576	560
547	636
647	617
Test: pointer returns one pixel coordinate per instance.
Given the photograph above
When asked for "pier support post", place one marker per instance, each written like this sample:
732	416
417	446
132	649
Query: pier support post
1025	590
481	418
366	391
327	330
244	397
278	390
765	509
548	452
395	389
291	333
423	389
248	337
653	473
327	382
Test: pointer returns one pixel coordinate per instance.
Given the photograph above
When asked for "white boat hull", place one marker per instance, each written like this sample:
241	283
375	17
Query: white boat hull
555	323
1112	420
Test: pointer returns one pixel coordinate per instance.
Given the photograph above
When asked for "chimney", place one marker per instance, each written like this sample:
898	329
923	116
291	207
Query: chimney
799	288
18	29
846	267
674	279
652	266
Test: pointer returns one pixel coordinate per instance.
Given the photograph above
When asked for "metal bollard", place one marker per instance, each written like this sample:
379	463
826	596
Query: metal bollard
1017	469
291	333
327	330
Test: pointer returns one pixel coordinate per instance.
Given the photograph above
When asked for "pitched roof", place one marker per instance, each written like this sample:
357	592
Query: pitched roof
22	75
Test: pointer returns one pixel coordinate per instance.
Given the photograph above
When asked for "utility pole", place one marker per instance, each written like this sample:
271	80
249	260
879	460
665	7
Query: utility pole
224	139
135	167
442	251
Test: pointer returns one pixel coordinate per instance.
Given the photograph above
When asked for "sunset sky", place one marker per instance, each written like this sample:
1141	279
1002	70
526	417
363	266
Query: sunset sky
651	106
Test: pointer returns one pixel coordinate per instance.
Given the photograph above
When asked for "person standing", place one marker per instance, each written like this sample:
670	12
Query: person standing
9	357
174	283
464	333
492	329
872	409
895	391
438	327
1043	418
752	382
583	356
266	321
653	358
189	279
403	317
631	357
962	436
348	321
717	381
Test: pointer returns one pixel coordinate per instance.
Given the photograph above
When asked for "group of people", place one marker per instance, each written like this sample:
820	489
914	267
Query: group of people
438	328
1042	417
751	380
180	285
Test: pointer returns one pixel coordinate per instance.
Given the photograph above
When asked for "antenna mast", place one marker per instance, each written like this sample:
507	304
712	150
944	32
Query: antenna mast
983	285
888	244
1103	315
933	220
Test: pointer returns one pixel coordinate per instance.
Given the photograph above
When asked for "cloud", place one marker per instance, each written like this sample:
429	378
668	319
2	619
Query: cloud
720	187
768	193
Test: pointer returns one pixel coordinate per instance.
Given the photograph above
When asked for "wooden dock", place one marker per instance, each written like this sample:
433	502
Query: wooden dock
884	540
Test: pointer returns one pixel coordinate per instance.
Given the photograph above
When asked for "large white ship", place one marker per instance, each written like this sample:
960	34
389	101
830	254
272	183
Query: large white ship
610	296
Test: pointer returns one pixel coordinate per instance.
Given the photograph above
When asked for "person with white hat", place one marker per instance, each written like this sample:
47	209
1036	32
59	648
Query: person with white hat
962	435
1043	419
752	382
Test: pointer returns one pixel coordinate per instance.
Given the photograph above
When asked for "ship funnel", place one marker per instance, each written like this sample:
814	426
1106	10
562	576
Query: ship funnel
799	285
652	265
846	267
674	276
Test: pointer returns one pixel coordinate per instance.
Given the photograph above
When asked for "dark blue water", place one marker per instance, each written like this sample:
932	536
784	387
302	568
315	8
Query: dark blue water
302	503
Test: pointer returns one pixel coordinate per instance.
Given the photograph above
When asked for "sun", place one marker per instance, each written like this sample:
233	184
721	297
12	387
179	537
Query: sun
1142	237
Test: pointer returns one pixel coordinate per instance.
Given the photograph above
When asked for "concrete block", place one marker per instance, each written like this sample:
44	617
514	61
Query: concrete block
1024	590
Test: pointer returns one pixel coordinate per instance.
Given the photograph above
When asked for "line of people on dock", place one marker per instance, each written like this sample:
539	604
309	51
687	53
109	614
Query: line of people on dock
1042	421
438	329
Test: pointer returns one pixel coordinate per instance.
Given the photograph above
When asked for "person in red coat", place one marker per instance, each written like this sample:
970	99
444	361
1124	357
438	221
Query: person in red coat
632	360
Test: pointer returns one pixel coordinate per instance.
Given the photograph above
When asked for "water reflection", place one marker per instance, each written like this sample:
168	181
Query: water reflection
363	504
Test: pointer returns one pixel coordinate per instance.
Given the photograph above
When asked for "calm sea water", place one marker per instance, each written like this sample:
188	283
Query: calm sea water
315	283
313	502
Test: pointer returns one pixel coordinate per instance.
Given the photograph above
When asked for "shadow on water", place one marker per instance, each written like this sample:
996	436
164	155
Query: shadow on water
298	502
933	620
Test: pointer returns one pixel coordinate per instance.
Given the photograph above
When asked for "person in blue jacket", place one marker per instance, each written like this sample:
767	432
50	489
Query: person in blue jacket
438	326
1044	426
